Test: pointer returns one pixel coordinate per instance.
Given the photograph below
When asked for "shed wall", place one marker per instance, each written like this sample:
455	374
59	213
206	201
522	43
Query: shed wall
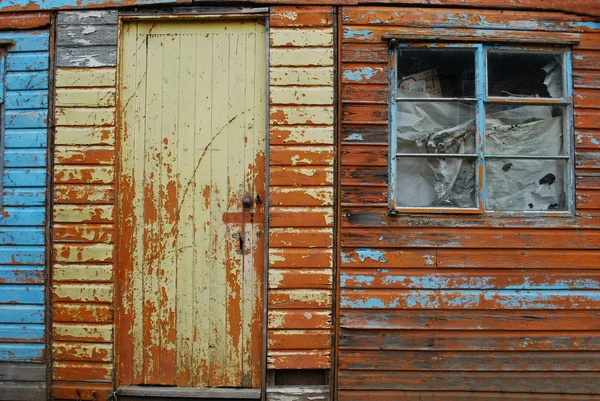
83	212
451	307
24	116
300	296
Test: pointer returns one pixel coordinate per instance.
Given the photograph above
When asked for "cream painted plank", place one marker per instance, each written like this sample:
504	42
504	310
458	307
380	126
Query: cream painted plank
93	97
80	292
152	234
83	253
308	76
318	57
301	135
82	332
253	60
83	193
85	116
218	206
203	238
193	27
84	174
236	166
84	136
301	37
69	351
84	77
282	115
185	222
301	95
170	185
135	160
83	213
76	272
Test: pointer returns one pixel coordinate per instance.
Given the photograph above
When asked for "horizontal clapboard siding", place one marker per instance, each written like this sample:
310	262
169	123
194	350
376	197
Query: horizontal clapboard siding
84	205
22	255
462	307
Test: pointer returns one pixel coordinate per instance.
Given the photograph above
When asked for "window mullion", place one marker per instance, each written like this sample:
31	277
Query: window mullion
481	95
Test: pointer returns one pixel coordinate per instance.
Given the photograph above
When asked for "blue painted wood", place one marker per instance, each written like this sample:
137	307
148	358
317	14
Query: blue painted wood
22	314
26	99
12	274
24	177
26	119
31	61
24	197
19	216
25	158
21	294
22	332
27	41
26	80
21	352
2	78
25	138
25	255
52	4
21	236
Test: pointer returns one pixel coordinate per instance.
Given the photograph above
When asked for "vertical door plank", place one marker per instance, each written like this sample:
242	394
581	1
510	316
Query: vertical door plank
203	237
169	188
236	175
127	191
222	242
152	207
185	229
139	154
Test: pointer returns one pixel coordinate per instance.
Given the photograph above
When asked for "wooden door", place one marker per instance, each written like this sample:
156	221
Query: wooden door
192	145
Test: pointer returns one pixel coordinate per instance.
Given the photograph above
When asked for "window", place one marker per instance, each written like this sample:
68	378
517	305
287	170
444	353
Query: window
479	128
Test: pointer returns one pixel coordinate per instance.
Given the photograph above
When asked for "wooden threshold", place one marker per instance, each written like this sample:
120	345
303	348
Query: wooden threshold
174	393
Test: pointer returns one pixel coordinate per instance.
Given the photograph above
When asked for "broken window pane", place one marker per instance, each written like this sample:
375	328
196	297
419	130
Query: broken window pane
435	127
436	182
525	184
525	74
437	72
525	130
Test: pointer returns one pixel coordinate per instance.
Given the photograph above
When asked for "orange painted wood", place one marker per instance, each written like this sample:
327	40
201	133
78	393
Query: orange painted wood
24	20
300	278
300	238
300	257
511	382
299	339
299	319
86	313
85	155
81	233
84	371
81	391
465	18
464	340
474	238
88	194
284	217
301	156
301	176
357	155
301	16
316	359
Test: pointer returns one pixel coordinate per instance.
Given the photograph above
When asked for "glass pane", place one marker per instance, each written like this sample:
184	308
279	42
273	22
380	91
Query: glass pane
525	74
435	182
435	127
438	73
525	130
524	184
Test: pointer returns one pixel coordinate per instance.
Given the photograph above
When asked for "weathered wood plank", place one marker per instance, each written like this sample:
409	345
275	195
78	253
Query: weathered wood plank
309	76
298	393
525	382
86	35
95	17
299	319
85	77
92	56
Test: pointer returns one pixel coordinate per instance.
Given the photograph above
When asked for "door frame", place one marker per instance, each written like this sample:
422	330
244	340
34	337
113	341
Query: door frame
173	15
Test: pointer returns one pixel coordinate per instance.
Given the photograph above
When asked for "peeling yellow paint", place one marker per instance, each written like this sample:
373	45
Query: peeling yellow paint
77	272
315	76
84	77
301	37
